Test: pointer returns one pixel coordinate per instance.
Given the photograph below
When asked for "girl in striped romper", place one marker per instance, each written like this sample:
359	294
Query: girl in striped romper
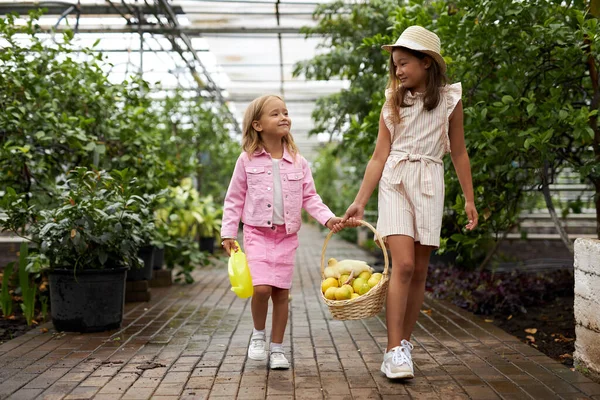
421	120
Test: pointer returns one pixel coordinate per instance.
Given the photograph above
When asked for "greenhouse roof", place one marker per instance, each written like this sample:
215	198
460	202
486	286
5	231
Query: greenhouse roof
239	50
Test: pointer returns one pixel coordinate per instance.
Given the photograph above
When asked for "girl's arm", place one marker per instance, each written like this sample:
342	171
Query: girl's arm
234	201
372	173
460	160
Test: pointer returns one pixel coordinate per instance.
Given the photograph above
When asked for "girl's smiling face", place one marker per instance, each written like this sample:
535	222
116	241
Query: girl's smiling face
274	119
411	70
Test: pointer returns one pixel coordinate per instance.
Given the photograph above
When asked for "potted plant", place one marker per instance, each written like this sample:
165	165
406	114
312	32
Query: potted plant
181	214
210	223
88	243
160	240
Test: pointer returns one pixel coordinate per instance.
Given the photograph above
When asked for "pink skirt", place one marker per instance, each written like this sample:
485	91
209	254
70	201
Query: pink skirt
271	253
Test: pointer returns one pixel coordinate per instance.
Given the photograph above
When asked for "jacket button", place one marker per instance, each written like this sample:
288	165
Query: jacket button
268	222
286	196
269	173
268	205
287	212
253	169
269	188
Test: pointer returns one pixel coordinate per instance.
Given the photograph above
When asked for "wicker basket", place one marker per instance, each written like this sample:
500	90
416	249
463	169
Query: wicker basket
369	303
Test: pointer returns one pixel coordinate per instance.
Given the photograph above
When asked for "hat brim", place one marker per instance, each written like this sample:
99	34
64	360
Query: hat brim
413	46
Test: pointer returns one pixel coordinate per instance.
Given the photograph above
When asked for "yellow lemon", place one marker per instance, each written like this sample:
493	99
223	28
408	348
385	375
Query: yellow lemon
354	295
343	279
343	293
328	283
374	279
365	275
358	282
349	288
330	293
364	288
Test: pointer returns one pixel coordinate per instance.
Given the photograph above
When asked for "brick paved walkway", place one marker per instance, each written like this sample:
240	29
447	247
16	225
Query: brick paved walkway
193	340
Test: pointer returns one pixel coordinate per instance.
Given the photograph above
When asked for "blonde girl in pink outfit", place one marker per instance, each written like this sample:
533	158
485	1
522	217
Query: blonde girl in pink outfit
270	185
421	120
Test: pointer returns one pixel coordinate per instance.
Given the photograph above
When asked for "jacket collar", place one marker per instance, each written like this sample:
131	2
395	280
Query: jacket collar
286	154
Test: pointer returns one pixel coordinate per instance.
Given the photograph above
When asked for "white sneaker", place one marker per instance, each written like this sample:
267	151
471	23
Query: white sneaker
278	361
397	363
408	346
258	348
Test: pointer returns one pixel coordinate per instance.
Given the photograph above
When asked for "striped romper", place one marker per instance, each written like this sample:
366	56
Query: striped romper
411	189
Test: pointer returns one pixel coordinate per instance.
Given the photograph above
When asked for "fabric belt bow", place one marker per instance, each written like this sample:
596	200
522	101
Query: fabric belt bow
426	177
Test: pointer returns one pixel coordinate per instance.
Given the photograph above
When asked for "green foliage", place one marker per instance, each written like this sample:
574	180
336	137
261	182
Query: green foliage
28	289
527	93
187	216
60	113
6	301
57	112
97	225
196	142
331	170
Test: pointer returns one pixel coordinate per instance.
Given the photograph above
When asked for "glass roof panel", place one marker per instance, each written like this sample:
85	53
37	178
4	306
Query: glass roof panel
247	48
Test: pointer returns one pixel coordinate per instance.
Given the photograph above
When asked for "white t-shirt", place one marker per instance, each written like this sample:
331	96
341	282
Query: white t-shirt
277	195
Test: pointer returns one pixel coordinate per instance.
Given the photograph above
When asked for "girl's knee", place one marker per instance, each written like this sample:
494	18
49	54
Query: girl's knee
403	270
420	275
262	292
280	295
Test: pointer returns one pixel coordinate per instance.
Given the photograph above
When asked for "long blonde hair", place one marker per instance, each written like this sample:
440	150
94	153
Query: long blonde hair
251	139
436	79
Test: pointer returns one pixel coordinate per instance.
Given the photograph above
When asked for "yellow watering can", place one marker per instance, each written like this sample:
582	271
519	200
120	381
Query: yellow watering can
239	274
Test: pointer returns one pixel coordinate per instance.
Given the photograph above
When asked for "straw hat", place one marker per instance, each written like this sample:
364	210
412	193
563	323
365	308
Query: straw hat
420	39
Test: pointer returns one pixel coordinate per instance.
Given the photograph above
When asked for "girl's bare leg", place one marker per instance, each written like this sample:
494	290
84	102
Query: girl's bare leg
260	305
416	289
403	264
280	314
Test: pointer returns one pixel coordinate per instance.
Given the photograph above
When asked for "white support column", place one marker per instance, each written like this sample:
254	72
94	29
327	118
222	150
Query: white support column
587	305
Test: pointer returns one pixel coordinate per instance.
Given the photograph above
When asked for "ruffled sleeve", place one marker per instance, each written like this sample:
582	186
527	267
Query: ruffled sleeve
453	95
388	111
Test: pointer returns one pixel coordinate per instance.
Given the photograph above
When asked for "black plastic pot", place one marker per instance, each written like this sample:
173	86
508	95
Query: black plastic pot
159	258
144	273
87	301
207	244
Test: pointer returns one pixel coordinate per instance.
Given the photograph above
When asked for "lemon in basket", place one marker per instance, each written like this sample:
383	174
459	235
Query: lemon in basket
344	292
366	275
357	283
344	279
330	293
328	283
374	279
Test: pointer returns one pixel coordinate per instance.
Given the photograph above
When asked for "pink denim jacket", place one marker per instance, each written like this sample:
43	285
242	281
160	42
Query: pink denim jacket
250	193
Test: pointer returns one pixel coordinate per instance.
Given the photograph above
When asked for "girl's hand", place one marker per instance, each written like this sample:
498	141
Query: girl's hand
229	245
354	213
335	224
472	215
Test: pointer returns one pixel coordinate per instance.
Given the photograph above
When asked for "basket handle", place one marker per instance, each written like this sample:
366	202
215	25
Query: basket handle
377	236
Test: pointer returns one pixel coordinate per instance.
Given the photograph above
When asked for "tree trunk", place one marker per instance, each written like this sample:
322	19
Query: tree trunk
493	251
546	191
